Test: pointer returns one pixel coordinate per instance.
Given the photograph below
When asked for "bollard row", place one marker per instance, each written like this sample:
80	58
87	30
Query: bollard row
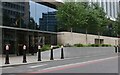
39	53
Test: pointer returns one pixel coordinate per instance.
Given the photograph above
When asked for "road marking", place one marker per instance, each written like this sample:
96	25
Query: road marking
7	67
62	67
37	66
87	56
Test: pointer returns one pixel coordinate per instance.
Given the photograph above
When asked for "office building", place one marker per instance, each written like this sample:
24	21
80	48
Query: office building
16	11
16	36
15	14
48	22
111	7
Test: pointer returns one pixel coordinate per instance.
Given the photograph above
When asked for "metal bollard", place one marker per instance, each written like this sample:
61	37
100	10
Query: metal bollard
62	52
51	55
115	49
24	54
39	53
7	54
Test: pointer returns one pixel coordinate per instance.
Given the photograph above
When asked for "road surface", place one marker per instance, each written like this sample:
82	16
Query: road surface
91	63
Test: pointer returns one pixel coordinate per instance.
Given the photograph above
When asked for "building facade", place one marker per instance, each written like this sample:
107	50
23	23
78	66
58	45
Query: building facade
15	14
17	32
111	7
48	22
16	11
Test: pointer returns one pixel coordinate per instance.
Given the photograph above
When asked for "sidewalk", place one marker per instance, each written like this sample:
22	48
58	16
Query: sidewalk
69	52
18	60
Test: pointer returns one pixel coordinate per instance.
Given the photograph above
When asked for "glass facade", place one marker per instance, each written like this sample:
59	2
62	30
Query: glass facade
48	22
15	10
23	27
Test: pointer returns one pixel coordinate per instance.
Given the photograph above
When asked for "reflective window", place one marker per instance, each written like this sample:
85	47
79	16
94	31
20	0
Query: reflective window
44	16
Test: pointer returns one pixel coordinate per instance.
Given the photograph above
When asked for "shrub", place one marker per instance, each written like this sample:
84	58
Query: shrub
78	45
106	45
45	47
94	45
68	45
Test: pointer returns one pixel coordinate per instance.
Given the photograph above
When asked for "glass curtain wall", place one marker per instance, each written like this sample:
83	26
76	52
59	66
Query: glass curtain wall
25	21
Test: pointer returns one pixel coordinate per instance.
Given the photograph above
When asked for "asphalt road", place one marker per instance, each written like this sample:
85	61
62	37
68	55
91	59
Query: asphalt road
106	62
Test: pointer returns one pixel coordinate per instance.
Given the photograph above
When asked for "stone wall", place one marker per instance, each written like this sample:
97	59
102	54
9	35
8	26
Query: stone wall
76	38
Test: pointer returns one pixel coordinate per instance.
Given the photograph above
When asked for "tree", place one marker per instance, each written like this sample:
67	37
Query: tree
118	25
101	19
68	16
88	21
91	18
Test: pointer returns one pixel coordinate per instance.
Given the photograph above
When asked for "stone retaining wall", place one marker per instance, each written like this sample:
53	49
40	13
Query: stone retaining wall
76	38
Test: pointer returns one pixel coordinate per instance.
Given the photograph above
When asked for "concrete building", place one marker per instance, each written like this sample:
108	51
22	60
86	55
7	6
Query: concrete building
78	38
48	22
111	7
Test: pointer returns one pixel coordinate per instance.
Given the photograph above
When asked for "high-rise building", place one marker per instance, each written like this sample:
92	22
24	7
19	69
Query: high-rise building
18	14
48	22
111	7
15	9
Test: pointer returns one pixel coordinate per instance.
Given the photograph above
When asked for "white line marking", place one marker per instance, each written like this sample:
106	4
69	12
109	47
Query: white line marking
87	56
61	66
7	67
37	66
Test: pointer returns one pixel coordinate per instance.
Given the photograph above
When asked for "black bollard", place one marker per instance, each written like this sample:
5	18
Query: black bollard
115	49
119	49
62	53
7	54
51	56
39	53
24	54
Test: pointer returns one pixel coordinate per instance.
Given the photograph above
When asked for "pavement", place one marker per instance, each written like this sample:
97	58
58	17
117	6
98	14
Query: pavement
18	60
103	61
69	52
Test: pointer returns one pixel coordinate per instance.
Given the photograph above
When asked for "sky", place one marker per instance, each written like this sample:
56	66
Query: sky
36	10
